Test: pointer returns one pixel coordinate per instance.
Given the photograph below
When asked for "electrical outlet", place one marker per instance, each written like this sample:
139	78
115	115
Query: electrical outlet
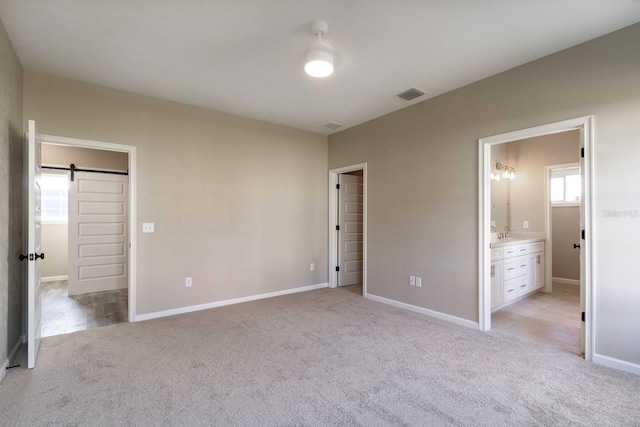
493	223
188	282
412	280
418	282
525	224
312	267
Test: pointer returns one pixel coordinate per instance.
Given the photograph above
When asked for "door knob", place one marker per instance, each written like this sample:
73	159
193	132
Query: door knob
576	246
41	256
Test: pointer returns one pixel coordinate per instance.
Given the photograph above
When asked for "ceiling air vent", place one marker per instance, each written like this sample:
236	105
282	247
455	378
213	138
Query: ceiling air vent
332	125
410	94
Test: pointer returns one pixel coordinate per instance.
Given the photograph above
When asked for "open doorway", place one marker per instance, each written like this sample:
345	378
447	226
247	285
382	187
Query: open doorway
512	251
524	303
85	213
347	228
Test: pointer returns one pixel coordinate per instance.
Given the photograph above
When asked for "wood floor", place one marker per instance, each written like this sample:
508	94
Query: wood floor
63	314
551	318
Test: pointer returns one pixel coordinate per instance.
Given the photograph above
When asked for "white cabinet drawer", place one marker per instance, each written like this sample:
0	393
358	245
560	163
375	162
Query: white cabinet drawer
509	268
510	290
496	254
536	247
522	285
509	251
522	266
522	250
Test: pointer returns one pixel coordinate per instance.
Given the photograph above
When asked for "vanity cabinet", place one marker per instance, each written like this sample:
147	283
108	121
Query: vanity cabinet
522	271
496	271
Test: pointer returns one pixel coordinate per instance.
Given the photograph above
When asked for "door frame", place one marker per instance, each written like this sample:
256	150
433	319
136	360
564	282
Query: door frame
333	218
131	151
585	125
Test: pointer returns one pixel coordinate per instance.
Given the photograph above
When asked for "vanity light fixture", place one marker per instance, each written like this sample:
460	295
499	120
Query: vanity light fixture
503	172
319	55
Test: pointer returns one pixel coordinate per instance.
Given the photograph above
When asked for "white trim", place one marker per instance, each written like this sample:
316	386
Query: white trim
566	281
54	278
611	362
10	356
333	215
133	185
192	308
585	125
425	311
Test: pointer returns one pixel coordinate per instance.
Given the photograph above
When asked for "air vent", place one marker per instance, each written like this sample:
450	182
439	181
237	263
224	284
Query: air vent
410	94
332	125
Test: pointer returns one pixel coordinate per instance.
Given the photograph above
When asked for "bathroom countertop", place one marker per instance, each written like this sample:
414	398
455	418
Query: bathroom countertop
515	241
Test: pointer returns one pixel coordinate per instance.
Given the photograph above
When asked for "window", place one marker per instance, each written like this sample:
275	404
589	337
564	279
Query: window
565	186
54	197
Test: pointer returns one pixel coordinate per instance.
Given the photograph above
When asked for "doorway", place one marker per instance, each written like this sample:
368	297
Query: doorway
114	189
584	126
83	229
348	226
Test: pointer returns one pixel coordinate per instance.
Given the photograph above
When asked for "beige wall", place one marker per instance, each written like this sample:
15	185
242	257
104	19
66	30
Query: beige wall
238	205
11	208
529	157
54	239
565	222
423	215
87	158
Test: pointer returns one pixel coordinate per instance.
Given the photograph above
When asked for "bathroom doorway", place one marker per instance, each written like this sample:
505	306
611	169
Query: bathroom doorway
582	129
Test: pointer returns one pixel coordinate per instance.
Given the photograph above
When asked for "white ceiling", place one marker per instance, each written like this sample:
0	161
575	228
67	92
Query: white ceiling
246	56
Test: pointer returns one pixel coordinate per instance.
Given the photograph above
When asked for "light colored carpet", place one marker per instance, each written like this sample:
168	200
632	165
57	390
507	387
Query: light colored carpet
326	357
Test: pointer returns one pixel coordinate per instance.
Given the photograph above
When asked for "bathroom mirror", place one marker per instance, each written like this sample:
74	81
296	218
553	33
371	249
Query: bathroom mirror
500	193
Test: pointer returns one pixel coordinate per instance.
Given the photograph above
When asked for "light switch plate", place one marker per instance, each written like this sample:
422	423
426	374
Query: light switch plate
525	224
147	227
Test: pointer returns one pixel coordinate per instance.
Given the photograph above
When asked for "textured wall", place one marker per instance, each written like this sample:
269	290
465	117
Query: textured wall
11	187
238	205
423	180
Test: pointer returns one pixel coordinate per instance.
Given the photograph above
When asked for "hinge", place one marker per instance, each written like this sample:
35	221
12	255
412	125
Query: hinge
337	228
337	268
582	234
583	316
337	186
582	152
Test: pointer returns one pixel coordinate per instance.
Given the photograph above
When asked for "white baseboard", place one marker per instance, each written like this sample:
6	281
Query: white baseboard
182	310
565	281
426	311
54	278
10	357
616	364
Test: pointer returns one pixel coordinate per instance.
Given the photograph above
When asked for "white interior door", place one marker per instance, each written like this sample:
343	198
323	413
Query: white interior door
97	232
34	309
350	210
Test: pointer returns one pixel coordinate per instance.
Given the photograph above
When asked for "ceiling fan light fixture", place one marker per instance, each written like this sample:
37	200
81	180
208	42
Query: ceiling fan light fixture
319	60
319	55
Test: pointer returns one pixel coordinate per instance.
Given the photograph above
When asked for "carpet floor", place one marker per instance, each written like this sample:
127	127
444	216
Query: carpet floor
325	357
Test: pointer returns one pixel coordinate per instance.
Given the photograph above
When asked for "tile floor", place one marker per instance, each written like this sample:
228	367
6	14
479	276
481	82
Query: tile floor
552	318
62	314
